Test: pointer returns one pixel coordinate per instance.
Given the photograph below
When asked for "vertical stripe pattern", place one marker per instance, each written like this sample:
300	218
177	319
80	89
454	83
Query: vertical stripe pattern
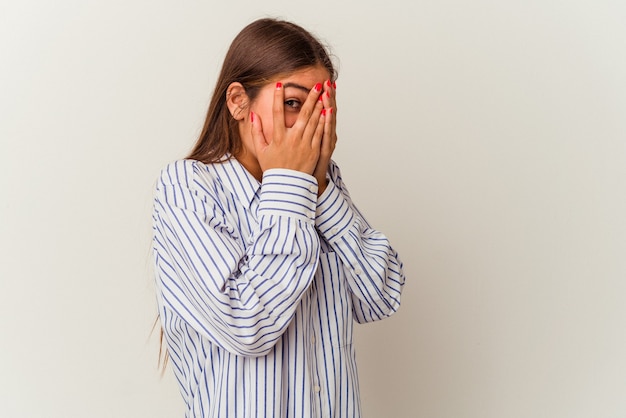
258	288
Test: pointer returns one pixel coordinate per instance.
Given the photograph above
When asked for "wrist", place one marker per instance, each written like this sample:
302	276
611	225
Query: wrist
321	186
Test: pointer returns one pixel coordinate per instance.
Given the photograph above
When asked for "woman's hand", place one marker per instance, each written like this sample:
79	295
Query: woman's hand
296	148
329	139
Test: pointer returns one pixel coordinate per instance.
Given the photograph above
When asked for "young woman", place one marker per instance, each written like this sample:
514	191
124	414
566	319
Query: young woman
262	260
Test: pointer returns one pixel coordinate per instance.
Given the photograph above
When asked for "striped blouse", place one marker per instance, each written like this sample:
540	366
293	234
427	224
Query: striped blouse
258	285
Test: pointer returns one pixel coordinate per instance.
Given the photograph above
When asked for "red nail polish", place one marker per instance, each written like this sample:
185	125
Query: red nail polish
279	85
320	99
328	83
252	117
330	110
323	112
327	94
334	85
318	87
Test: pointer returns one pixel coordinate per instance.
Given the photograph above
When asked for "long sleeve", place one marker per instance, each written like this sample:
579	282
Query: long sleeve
372	267
240	295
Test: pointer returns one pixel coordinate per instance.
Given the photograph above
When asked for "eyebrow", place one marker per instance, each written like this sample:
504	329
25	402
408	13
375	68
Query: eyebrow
297	86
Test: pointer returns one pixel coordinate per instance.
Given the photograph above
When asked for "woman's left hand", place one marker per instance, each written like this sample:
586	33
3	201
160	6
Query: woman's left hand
329	139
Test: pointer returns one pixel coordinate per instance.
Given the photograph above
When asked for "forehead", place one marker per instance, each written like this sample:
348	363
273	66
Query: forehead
306	77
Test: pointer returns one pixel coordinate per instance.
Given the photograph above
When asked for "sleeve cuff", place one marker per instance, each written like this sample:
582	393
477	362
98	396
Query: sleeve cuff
334	214
288	193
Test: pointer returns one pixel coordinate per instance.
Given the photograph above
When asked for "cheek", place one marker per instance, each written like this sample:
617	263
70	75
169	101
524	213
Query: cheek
268	128
290	119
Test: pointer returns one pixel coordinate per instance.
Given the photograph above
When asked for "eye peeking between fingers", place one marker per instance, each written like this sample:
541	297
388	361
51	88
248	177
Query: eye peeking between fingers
293	105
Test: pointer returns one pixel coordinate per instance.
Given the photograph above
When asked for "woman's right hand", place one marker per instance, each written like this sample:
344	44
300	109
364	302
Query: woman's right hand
297	147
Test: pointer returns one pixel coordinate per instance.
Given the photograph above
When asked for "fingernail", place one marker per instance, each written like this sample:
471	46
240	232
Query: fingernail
334	85
279	85
252	117
330	110
321	98
327	94
328	83
318	87
323	112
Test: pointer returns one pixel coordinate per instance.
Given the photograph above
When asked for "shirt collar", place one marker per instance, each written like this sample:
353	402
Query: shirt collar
238	180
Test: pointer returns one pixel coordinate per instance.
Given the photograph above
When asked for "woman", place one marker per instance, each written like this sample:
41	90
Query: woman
262	261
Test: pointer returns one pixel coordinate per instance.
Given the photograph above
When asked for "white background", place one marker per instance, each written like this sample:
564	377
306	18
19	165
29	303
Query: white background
487	139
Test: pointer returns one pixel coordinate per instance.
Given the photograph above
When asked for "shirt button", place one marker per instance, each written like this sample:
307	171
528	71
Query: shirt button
312	188
312	340
358	271
334	231
317	388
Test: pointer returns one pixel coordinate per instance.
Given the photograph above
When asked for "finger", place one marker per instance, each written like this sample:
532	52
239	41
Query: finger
278	111
333	123
329	126
328	96
329	138
313	122
309	108
319	139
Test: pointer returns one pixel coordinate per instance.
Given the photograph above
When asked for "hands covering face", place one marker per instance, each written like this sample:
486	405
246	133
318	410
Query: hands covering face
329	138
308	144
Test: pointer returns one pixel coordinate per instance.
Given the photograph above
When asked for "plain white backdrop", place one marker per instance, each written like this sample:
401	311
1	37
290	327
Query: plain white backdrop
487	139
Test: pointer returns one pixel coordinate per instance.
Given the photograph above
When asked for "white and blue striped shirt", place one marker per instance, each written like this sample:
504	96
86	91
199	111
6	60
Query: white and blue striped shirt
258	285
